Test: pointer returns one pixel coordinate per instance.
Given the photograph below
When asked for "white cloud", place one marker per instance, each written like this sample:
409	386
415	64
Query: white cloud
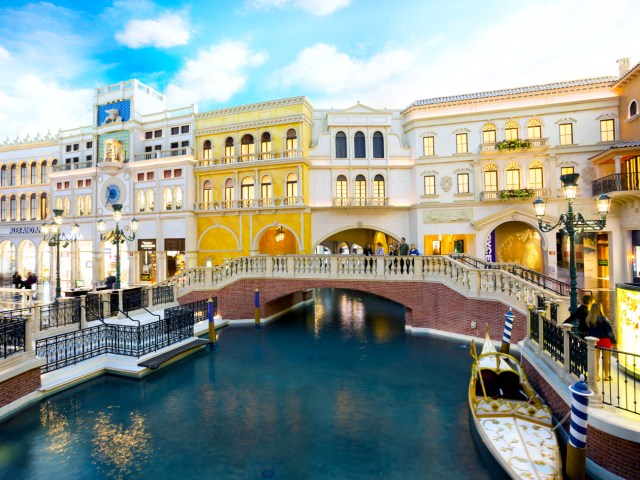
4	54
215	74
316	7
168	30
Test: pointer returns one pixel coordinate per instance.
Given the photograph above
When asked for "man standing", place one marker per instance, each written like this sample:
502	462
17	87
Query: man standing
403	251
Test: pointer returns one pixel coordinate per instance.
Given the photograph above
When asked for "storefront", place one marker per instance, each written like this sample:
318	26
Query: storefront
174	248
147	250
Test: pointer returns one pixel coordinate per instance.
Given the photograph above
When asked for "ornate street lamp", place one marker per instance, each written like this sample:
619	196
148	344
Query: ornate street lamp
53	236
573	223
117	235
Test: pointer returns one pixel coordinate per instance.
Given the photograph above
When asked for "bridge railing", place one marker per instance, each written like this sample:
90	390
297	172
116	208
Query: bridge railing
473	282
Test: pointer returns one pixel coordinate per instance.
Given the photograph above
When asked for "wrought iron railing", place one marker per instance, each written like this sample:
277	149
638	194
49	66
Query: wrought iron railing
12	336
162	294
552	339
134	299
59	314
617	182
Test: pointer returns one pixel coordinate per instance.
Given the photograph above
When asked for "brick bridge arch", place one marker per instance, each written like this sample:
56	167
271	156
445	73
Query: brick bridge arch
428	305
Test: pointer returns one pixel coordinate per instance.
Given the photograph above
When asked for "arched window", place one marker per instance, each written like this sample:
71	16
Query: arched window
3	176
292	189
247	148
167	199
359	148
66	207
23	174
141	201
151	200
58	204
341	145
44	177
489	133
247	192
207	195
513	176
378	190
206	150
341	190
266	190
13	207
491	178
361	190
265	146
378	145
229	193
511	131
534	128
229	150
535	175
87	204
34	173
177	197
633	108
3	209
44	207
292	144
12	175
80	205
33	207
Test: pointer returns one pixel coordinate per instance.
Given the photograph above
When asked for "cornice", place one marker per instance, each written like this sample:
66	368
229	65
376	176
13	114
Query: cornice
27	146
255	124
254	107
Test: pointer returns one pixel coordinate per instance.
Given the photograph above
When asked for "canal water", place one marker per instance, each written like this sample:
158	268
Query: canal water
335	390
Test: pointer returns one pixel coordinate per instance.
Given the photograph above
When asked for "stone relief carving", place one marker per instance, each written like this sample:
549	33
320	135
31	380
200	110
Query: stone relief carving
446	183
113	116
587	176
457	215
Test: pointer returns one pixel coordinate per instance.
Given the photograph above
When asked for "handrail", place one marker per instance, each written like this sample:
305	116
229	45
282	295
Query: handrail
117	309
149	312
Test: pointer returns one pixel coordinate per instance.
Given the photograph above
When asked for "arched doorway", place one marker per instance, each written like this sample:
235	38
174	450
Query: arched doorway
8	258
353	240
278	240
516	242
27	256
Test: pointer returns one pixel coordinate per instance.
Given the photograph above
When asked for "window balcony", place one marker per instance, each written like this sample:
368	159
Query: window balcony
360	201
515	145
514	194
251	157
67	167
174	152
252	204
618	182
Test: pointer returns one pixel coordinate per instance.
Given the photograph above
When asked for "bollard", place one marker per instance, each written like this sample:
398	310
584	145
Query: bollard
506	335
577	446
213	338
256	309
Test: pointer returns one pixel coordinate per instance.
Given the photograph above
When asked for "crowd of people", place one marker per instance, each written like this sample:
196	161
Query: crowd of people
18	282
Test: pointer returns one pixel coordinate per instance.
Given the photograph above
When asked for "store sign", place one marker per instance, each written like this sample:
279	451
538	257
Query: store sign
147	245
25	231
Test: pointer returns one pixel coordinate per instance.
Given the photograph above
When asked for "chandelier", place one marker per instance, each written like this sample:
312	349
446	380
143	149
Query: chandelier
279	234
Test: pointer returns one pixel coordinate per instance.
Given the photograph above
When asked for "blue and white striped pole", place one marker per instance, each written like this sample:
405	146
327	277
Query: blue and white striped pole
506	335
577	447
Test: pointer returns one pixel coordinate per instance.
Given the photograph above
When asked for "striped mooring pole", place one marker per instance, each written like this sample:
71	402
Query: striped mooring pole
256	309
213	338
577	446
506	335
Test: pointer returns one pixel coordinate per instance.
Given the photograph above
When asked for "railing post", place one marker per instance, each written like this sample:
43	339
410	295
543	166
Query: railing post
566	337
120	303
28	336
547	307
592	366
541	330
528	332
36	320
83	312
290	265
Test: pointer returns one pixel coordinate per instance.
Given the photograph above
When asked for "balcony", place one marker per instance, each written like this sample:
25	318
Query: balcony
360	201
67	167
618	182
252	204
251	157
515	145
522	194
174	152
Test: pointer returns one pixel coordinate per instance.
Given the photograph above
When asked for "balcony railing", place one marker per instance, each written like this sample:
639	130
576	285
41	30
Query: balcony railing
360	201
523	194
250	157
174	152
533	143
66	167
252	203
618	182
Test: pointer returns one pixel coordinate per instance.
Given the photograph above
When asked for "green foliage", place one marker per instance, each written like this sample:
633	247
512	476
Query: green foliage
520	193
513	144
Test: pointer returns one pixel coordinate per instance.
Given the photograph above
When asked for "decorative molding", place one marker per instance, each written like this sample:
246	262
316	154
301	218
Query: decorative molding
255	124
461	130
463	170
566	120
429	173
255	106
448	215
607	116
446	183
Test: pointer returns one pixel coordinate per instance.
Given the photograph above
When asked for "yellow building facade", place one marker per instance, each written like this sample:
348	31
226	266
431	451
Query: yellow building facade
252	180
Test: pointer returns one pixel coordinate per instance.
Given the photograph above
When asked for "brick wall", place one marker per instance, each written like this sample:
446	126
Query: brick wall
19	386
429	305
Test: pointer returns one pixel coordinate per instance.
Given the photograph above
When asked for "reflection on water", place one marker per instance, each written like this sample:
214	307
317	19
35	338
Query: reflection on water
120	451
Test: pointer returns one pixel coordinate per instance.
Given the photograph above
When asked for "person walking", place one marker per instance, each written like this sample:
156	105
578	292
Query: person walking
598	326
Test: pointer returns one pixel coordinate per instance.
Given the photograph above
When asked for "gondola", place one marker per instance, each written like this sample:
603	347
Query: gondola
509	418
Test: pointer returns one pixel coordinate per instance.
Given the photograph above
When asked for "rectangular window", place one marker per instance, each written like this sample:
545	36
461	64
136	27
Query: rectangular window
150	176
184	129
59	186
463	183
430	184
141	177
80	184
89	145
177	173
175	130
428	146
88	158
491	180
67	185
148	135
148	149
489	136
87	183
513	179
76	147
157	134
167	174
185	143
566	134
461	143
158	147
67	148
606	130
566	170
174	144
535	178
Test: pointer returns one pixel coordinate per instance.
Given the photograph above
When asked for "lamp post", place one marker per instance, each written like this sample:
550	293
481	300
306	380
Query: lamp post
53	236
573	223
117	235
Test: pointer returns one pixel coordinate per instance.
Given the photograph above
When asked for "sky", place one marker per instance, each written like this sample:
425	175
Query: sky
222	53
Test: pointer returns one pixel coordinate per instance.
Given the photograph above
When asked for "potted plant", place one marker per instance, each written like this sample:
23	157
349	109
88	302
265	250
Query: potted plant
513	144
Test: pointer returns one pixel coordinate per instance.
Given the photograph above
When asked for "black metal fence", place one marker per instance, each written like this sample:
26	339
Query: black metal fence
162	294
60	313
12	336
130	340
134	298
199	309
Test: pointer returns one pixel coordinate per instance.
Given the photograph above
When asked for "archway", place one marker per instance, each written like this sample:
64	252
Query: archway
278	240
8	258
27	256
516	242
353	241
